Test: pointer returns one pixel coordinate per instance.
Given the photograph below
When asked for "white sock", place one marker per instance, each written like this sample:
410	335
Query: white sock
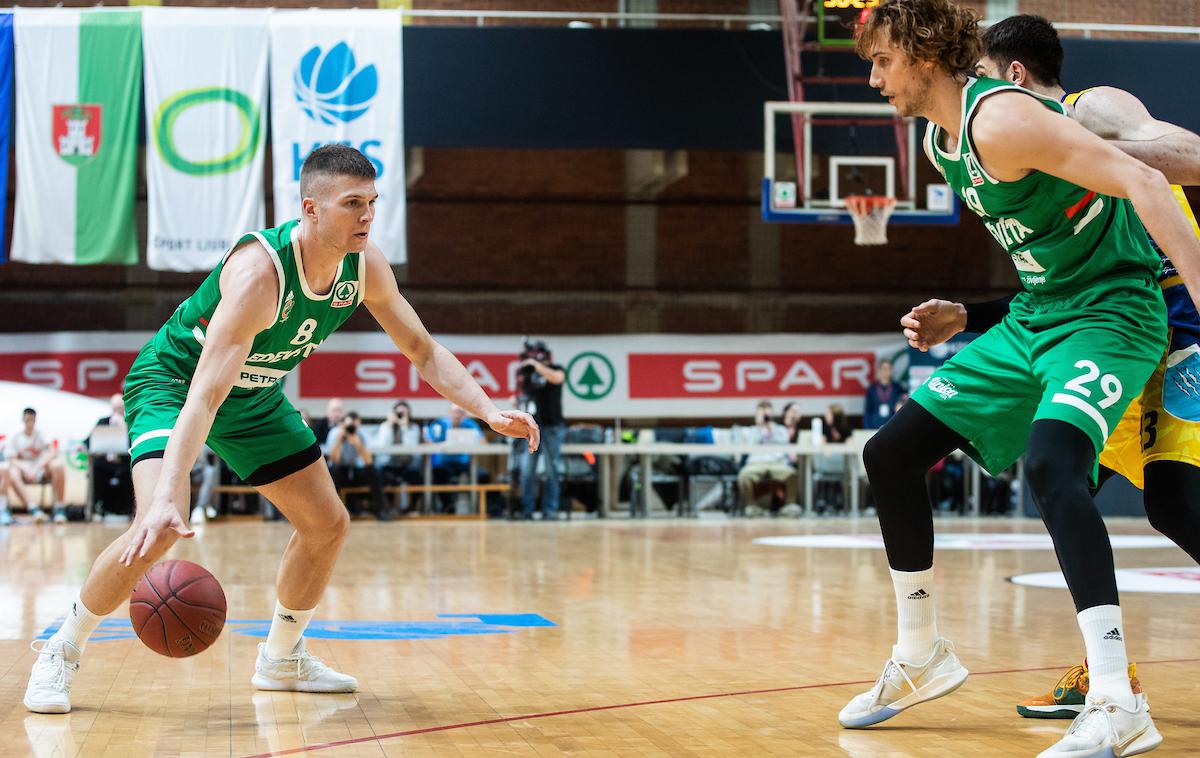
79	625
916	616
287	627
1108	665
3	502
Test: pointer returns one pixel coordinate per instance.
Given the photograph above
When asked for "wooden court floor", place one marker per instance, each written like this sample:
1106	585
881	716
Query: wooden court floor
669	638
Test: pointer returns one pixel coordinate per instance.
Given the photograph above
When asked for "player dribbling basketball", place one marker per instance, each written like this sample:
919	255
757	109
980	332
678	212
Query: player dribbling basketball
212	373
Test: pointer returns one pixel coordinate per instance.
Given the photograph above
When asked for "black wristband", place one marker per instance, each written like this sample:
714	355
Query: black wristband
983	316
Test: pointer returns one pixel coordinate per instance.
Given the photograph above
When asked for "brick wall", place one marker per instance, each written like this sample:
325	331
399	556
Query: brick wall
548	241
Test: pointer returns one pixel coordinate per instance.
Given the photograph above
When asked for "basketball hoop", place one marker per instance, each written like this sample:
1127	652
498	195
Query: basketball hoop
870	214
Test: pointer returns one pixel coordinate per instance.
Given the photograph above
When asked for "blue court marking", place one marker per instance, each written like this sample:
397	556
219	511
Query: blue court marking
321	629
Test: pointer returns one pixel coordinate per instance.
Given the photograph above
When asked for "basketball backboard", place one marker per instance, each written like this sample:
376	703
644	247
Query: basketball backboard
848	148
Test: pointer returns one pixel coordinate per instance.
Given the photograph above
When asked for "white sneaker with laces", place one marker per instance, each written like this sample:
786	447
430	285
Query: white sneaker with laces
39	516
49	689
902	685
1105	728
60	515
299	672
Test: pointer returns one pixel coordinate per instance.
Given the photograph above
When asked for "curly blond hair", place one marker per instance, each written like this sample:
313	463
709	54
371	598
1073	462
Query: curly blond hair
927	30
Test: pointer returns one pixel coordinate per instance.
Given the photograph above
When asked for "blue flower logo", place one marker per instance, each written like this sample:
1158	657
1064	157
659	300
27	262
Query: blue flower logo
331	88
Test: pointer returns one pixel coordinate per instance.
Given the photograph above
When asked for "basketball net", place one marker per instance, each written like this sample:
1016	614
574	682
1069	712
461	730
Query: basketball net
870	214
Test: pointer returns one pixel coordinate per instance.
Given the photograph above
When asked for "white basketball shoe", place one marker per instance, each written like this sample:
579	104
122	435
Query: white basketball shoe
298	672
902	685
49	689
1107	729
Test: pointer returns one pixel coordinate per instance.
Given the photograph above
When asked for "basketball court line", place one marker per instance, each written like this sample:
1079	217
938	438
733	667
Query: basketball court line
620	706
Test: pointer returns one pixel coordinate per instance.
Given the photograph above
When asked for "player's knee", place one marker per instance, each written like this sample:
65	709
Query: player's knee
1164	511
881	457
332	526
1159	517
1055	488
1043	476
341	525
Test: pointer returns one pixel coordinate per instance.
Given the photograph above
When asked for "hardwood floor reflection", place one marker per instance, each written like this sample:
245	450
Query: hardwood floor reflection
667	638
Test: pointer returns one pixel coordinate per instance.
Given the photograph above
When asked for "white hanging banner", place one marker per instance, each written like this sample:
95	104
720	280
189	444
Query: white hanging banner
336	76
206	94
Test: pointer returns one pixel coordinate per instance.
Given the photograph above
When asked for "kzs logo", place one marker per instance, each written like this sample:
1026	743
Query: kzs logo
330	86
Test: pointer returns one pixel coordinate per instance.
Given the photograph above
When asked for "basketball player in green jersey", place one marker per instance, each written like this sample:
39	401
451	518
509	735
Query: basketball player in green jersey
212	373
1051	380
1156	446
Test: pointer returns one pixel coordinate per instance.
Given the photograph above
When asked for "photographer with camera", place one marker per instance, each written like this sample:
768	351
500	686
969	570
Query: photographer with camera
398	429
352	465
539	393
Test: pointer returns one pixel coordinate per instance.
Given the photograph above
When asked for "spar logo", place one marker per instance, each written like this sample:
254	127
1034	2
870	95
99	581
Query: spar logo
591	376
330	86
235	156
333	90
343	294
76	131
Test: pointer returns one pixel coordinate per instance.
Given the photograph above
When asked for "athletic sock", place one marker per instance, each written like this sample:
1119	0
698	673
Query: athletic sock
79	625
1108	665
916	617
287	627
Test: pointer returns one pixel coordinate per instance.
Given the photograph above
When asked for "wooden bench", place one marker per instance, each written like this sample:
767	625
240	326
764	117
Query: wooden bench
482	489
234	489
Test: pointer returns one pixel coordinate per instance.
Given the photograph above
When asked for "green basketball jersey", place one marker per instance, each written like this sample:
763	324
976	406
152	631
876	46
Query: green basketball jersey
1061	237
303	319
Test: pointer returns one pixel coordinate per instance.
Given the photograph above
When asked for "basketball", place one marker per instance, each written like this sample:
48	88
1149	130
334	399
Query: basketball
177	608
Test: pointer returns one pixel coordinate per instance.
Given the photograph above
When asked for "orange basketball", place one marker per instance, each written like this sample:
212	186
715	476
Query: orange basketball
177	608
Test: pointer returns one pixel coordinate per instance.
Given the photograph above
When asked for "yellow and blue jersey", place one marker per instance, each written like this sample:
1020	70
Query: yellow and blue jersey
1182	318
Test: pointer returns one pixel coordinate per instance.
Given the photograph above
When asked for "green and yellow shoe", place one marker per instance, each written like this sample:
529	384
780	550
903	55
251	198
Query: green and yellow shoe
1069	695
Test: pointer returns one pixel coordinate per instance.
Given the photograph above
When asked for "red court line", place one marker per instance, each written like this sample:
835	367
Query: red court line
618	706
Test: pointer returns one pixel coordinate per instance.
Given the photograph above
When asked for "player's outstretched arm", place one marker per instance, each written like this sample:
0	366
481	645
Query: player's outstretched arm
1015	134
249	299
435	363
1124	121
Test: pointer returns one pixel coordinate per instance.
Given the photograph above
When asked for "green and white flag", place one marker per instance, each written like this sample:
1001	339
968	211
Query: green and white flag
79	75
206	94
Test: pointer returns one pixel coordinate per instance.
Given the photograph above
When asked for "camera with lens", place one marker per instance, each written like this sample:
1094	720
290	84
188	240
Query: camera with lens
528	379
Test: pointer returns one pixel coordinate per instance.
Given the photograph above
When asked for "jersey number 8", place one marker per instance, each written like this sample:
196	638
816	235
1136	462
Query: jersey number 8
305	332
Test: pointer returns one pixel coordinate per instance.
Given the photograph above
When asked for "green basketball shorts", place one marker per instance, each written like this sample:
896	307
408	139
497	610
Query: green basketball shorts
1080	358
257	432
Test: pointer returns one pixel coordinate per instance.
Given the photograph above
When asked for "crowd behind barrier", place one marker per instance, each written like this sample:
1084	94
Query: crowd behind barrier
778	464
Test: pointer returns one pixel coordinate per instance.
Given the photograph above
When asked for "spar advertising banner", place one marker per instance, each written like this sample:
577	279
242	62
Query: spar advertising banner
336	77
608	376
206	122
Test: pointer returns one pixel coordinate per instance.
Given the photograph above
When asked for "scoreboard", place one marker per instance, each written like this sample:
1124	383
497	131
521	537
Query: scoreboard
836	19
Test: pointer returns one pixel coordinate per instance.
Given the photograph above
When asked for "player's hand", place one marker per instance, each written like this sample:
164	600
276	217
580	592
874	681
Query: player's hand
155	534
933	322
516	424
